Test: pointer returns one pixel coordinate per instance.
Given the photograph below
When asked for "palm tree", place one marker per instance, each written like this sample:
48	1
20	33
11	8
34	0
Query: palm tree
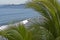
16	33
50	10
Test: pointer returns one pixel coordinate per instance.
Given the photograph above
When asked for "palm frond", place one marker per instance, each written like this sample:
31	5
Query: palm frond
50	9
17	33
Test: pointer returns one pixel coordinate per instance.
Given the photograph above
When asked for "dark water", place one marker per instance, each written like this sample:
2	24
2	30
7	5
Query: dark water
8	15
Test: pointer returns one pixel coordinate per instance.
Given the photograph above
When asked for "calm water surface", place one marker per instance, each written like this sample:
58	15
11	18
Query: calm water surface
8	15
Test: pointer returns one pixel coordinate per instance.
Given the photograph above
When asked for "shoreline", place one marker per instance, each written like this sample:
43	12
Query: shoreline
3	27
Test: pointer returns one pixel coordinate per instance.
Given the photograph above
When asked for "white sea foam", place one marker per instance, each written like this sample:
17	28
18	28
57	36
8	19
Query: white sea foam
3	27
6	26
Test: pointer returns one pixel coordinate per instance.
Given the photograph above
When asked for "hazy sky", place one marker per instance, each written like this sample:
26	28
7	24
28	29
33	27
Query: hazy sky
12	1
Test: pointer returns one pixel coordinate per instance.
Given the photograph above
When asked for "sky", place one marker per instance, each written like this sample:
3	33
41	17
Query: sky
12	1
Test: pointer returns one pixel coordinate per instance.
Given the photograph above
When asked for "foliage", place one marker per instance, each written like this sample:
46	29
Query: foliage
16	33
50	9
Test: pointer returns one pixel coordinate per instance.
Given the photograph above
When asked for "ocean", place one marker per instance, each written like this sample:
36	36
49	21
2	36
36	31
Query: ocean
10	15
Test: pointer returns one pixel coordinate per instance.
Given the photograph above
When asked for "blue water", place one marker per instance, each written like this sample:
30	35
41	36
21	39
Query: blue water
8	15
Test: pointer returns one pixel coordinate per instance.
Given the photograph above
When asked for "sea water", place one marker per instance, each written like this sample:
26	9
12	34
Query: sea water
9	15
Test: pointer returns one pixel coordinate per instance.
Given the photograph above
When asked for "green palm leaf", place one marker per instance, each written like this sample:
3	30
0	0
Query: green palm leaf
17	33
50	9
